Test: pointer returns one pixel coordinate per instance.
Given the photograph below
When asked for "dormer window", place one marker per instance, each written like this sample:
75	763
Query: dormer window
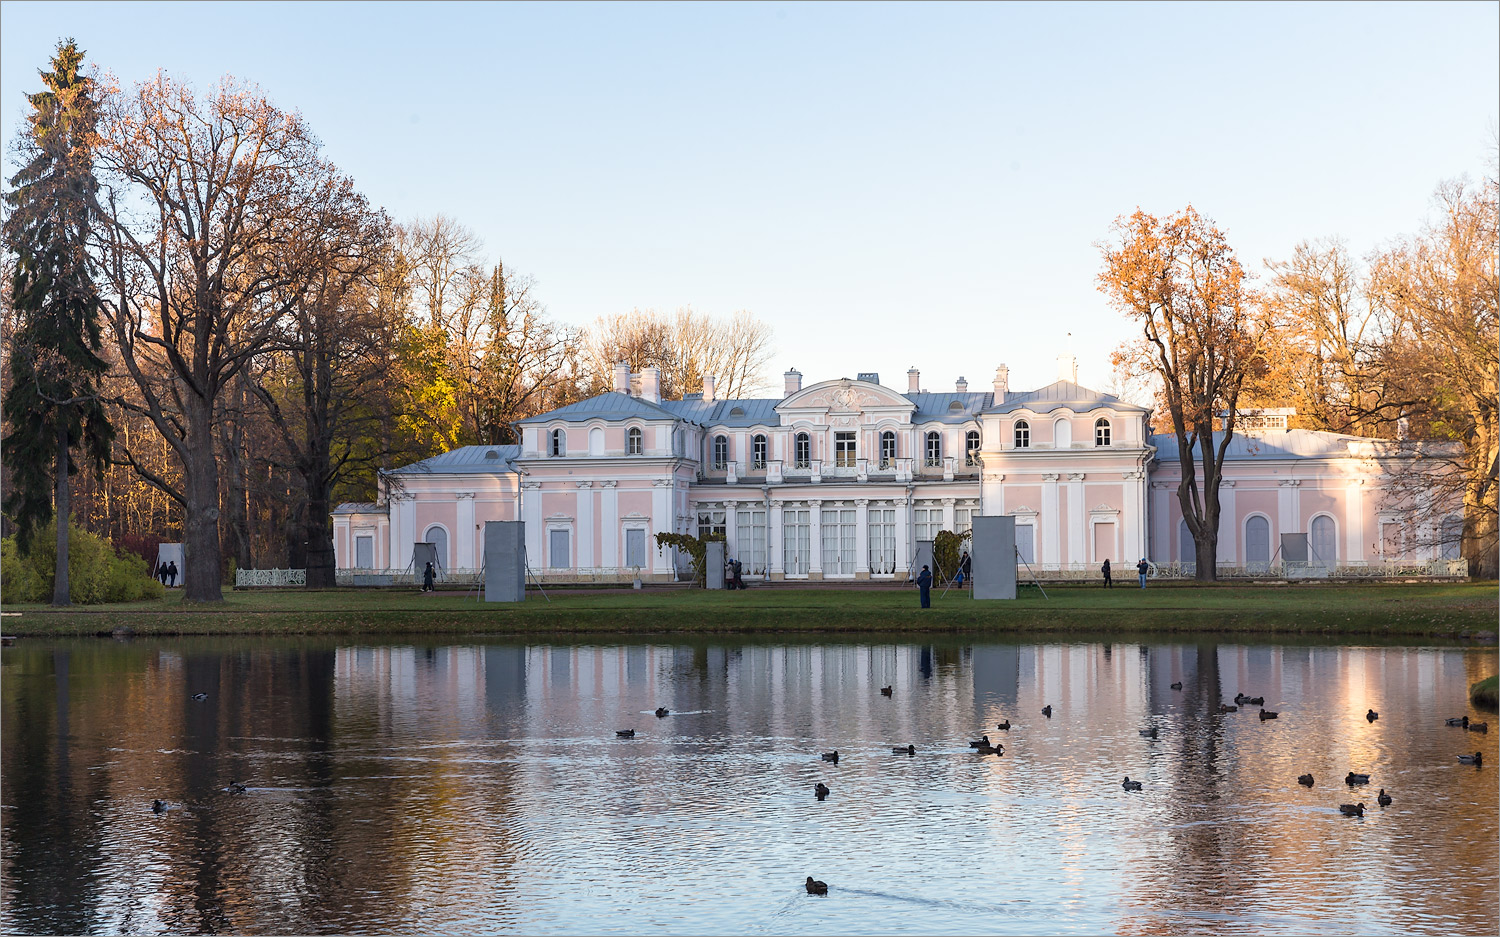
721	453
887	449
737	411
1101	432
633	441
559	443
933	450
971	447
758	452
1023	434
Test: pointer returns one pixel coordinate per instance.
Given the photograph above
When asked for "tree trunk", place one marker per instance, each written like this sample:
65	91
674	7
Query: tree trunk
200	526
320	574
62	512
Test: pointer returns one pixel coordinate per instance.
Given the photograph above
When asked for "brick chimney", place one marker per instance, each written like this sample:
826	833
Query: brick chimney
622	378
793	382
710	385
651	385
913	381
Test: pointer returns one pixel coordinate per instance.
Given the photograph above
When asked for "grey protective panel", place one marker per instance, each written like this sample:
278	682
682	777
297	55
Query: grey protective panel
504	561
1294	548
713	563
172	553
421	555
994	552
922	557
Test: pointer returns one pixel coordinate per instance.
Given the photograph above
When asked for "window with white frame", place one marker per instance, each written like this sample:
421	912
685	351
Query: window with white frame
932	450
971	447
721	453
750	543
844	449
1450	537
559	445
635	547
1023	434
1257	544
758	452
796	541
838	541
711	521
803	453
963	519
559	556
1324	542
887	449
927	522
634	441
882	524
1026	542
1101	432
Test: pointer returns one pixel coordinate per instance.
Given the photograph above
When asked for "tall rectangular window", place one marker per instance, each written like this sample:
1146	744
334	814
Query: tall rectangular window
934	450
796	536
558	554
1026	542
750	530
838	541
364	552
928	521
758	452
804	451
882	540
962	519
710	522
887	449
635	547
843	449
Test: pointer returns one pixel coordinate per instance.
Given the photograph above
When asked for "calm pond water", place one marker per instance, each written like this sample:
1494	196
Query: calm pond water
480	788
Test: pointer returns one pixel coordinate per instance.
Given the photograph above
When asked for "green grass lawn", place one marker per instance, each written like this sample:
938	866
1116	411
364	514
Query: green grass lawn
1364	609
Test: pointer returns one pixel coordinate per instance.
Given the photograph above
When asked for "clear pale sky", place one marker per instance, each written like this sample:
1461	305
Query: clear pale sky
887	185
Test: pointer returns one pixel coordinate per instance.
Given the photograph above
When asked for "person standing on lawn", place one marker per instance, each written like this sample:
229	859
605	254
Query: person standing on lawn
924	585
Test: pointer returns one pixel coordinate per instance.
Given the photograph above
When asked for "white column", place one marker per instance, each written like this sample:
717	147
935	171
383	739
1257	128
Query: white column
1229	524
948	513
731	530
585	512
903	526
1130	520
1051	523
815	539
409	532
609	524
1286	508
1354	522
862	536
992	495
1078	521
463	537
531	513
776	563
662	519
393	532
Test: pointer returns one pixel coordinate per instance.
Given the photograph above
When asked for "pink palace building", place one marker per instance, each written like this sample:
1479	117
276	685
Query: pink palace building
840	480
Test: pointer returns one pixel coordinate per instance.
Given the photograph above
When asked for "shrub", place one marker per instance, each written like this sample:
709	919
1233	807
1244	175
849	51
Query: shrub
96	572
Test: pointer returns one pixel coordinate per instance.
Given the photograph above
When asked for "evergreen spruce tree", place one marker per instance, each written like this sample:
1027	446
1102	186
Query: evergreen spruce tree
52	405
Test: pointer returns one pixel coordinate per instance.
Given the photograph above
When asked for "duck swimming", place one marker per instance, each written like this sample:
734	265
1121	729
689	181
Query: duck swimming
1459	721
885	691
1003	726
200	697
158	806
1352	810
1384	799
982	743
663	712
1177	685
235	787
1267	714
1351	778
815	887
1130	785
1372	715
1478	727
1149	733
1475	759
1047	710
821	791
1306	780
832	756
625	733
908	750
1228	709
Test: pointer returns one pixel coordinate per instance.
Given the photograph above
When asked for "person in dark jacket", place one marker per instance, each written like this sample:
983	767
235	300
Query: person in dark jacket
924	584
1141	569
172	575
429	577
739	574
965	569
1109	583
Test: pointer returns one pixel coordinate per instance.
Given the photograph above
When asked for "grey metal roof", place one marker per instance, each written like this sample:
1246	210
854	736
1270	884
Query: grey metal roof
753	411
611	405
465	460
1270	445
361	507
939	407
1061	394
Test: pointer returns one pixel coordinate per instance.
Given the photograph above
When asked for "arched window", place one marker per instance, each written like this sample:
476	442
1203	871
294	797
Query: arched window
721	452
1023	434
803	454
1450	537
633	441
596	441
971	447
887	449
438	537
1257	544
1101	432
559	443
1325	548
758	452
933	450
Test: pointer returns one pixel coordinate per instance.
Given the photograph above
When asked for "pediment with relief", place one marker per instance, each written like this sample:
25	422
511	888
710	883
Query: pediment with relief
845	396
